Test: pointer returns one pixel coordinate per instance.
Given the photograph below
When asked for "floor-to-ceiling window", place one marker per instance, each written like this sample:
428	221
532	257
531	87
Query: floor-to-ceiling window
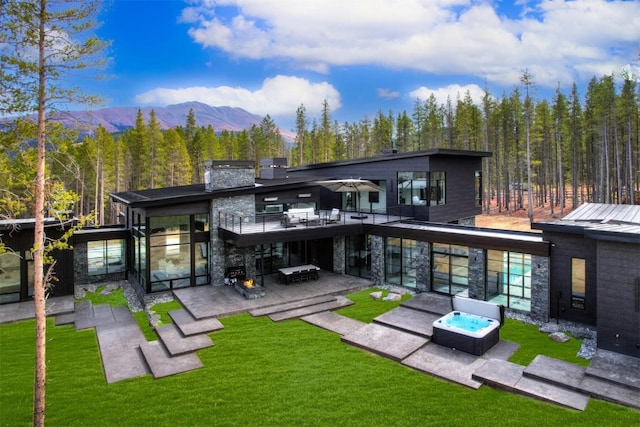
449	268
400	265
508	280
271	257
358	255
175	249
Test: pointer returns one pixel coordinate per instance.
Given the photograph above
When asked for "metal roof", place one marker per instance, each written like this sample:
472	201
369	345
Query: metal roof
605	214
599	221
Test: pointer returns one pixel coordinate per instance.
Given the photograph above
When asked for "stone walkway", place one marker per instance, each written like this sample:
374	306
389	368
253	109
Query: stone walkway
402	335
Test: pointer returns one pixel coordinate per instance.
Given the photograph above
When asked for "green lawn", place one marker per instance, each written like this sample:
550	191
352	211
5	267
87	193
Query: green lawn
268	374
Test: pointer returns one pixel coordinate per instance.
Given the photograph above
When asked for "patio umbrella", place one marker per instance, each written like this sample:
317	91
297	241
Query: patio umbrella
350	185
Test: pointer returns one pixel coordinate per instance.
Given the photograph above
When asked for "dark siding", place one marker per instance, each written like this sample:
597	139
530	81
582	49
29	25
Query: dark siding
460	185
563	248
460	189
618	311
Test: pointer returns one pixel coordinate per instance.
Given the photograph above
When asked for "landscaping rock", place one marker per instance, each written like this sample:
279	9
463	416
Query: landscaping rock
376	295
392	297
559	337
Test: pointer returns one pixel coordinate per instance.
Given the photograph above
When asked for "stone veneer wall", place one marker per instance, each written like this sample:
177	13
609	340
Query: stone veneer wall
223	256
377	260
477	273
231	178
423	266
540	288
80	263
339	265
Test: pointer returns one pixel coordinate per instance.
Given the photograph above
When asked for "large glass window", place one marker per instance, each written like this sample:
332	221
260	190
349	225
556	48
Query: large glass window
400	265
9	277
105	256
358	255
412	188
201	223
449	268
170	252
578	282
270	258
421	188
436	188
508	280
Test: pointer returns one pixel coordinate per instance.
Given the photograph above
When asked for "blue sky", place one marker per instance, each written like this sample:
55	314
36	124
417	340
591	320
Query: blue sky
270	56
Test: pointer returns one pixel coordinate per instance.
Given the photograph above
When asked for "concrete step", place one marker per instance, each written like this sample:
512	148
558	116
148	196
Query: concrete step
89	315
189	325
163	364
615	368
429	303
509	376
385	341
119	344
554	371
334	322
455	365
607	391
65	319
604	385
265	311
409	320
178	344
338	302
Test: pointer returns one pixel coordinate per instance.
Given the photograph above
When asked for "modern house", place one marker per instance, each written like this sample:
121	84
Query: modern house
417	232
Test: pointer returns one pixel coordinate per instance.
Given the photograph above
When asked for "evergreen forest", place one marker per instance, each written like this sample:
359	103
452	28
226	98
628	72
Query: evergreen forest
560	152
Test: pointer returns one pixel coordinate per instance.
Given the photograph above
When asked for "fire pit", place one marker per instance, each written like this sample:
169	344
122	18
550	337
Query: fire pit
249	288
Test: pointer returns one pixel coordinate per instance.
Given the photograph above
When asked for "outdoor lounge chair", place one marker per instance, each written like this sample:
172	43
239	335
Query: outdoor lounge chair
334	215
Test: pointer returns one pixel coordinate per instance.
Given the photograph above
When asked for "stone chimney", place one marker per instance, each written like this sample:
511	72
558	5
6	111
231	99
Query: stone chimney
220	174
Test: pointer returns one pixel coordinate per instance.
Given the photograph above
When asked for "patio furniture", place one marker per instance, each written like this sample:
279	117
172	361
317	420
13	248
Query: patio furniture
334	215
299	216
290	275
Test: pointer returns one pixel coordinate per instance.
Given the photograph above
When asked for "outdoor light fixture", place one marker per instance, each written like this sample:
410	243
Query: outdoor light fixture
270	199
304	195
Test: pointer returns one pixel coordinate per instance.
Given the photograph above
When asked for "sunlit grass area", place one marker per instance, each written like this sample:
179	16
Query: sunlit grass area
268	373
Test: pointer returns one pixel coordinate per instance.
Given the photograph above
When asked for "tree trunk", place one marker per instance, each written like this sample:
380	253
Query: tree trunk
38	244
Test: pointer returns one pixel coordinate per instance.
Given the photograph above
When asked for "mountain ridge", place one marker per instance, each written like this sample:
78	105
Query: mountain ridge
117	119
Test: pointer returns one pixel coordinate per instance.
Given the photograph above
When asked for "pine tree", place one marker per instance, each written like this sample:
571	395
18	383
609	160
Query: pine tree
36	58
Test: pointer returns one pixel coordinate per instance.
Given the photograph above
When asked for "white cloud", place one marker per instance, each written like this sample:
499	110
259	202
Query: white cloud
454	92
562	39
278	96
387	93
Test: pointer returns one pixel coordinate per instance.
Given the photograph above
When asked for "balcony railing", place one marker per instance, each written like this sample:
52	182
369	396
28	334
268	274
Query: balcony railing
242	224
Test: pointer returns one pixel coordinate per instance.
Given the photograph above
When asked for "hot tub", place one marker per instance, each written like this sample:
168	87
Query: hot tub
467	332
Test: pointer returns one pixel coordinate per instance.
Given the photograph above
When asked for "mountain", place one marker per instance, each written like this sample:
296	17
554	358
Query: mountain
120	118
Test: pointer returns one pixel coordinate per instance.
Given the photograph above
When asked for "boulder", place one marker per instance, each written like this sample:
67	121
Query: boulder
392	297
376	295
559	337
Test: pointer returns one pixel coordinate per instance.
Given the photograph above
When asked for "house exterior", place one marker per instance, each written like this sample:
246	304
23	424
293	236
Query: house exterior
417	232
595	272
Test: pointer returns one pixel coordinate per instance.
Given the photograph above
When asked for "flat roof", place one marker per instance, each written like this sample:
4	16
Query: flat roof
393	156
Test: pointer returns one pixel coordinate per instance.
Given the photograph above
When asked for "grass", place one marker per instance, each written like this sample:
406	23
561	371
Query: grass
268	374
